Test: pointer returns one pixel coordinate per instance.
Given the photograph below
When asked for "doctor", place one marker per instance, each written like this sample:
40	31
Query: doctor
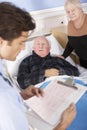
15	24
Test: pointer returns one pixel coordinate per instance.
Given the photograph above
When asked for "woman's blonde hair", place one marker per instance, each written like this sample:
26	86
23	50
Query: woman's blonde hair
73	2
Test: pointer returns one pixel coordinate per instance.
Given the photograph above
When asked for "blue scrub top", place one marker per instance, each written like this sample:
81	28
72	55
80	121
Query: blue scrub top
12	115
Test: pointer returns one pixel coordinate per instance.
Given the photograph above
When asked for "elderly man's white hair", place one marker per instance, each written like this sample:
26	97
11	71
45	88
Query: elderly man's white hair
43	37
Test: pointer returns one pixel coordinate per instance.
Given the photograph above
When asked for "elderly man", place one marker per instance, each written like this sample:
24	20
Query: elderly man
40	65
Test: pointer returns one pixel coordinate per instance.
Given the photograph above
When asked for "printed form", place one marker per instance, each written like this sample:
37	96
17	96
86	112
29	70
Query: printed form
57	98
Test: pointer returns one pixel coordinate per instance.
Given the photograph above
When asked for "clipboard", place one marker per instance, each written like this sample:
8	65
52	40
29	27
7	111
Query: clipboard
58	96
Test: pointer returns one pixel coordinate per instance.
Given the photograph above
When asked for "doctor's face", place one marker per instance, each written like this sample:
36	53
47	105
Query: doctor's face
10	50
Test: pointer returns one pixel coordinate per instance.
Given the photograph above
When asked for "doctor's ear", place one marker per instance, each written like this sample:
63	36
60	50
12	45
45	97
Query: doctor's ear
1	40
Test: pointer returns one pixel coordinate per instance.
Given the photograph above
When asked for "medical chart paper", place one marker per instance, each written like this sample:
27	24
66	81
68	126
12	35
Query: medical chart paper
56	99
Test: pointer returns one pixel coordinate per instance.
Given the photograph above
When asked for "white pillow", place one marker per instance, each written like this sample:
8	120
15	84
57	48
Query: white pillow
12	66
56	48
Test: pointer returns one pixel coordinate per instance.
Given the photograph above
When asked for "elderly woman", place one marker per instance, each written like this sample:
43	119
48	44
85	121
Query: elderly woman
77	31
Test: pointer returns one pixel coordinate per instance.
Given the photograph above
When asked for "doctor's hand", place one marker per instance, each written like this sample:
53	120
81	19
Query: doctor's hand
31	91
51	72
67	117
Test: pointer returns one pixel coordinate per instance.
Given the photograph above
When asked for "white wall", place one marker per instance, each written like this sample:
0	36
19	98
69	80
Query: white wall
33	5
49	18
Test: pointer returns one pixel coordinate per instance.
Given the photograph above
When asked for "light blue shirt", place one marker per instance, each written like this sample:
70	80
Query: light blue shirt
12	115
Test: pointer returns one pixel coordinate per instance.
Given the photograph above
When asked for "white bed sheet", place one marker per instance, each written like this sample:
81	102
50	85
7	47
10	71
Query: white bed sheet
83	73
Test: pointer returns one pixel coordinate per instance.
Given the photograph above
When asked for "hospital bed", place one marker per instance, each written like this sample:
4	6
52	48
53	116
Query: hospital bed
58	38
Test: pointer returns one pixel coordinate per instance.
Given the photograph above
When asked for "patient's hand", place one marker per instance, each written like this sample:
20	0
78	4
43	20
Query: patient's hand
51	72
66	118
31	91
62	57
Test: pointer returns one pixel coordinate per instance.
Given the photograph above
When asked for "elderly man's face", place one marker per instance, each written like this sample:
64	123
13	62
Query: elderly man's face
41	46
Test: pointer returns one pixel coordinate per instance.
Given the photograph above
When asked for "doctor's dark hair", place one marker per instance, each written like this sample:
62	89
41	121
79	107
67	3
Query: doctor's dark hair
13	21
